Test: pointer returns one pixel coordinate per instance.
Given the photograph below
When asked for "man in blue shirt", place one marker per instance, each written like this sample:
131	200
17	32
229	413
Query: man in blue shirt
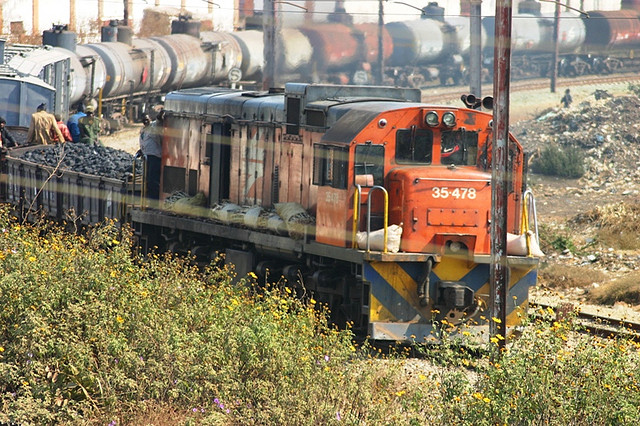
72	124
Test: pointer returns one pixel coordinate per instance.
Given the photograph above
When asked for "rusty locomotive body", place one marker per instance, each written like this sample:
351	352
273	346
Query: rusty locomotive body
396	197
355	159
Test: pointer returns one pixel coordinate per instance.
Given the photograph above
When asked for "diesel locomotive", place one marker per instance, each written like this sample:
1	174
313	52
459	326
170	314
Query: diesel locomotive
357	163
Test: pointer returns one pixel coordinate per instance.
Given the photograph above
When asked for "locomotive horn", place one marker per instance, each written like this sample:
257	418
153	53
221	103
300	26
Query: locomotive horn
487	102
469	100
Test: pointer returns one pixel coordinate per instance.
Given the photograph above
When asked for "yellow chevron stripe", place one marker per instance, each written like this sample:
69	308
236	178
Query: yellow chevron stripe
402	283
377	311
452	268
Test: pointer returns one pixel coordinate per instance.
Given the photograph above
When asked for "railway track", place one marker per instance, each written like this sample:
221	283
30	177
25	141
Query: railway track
439	95
593	320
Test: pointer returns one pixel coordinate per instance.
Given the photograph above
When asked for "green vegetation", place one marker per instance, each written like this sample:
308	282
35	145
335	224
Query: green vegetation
92	334
567	162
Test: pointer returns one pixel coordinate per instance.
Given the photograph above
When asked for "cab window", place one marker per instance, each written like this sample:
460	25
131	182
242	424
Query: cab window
330	166
459	148
414	145
369	165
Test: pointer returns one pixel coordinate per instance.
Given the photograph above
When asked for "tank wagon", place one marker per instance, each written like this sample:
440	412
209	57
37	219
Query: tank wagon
128	76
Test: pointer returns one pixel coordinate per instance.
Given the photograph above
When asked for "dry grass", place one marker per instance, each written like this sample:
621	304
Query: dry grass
561	276
618	224
625	289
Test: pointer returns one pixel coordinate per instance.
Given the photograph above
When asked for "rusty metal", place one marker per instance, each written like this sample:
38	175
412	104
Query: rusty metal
499	177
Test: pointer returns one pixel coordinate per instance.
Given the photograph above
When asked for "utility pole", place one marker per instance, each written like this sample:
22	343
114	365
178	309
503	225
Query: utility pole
556	31
269	38
380	70
475	53
499	280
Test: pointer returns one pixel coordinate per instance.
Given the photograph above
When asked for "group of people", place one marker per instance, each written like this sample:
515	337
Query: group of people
84	127
46	128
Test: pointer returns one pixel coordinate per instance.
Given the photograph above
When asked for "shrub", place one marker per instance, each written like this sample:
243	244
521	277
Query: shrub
88	330
564	162
91	334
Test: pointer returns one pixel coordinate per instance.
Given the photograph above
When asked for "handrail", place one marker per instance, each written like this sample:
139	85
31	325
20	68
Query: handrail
357	196
529	211
386	216
143	182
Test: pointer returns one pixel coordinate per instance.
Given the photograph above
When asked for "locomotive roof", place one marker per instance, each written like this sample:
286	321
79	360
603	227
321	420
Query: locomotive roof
361	104
351	118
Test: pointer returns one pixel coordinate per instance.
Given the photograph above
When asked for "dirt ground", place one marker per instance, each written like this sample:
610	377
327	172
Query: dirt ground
127	139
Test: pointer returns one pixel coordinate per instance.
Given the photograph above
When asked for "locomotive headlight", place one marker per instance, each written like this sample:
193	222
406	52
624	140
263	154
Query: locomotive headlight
449	119
382	123
432	119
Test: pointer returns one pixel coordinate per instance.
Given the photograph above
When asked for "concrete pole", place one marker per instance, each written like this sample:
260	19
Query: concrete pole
554	65
269	38
380	67
475	53
499	280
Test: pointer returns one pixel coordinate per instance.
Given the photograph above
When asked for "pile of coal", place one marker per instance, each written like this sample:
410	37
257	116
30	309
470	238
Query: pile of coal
93	160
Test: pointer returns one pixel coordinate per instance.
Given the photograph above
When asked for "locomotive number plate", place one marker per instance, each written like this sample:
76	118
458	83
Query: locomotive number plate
445	192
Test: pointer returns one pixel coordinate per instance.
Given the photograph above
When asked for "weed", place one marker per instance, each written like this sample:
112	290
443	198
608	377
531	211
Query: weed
91	334
565	162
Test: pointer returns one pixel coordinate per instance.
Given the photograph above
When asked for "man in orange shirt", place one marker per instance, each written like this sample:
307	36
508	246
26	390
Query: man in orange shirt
63	129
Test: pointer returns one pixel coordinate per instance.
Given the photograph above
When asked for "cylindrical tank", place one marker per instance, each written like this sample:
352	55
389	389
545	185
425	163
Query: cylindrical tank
421	41
335	46
252	46
58	36
124	67
94	68
530	7
612	29
571	32
297	52
186	26
157	66
228	54
190	65
462	27
434	11
370	35
528	33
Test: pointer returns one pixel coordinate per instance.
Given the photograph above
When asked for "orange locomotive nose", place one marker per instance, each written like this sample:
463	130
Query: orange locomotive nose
443	209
